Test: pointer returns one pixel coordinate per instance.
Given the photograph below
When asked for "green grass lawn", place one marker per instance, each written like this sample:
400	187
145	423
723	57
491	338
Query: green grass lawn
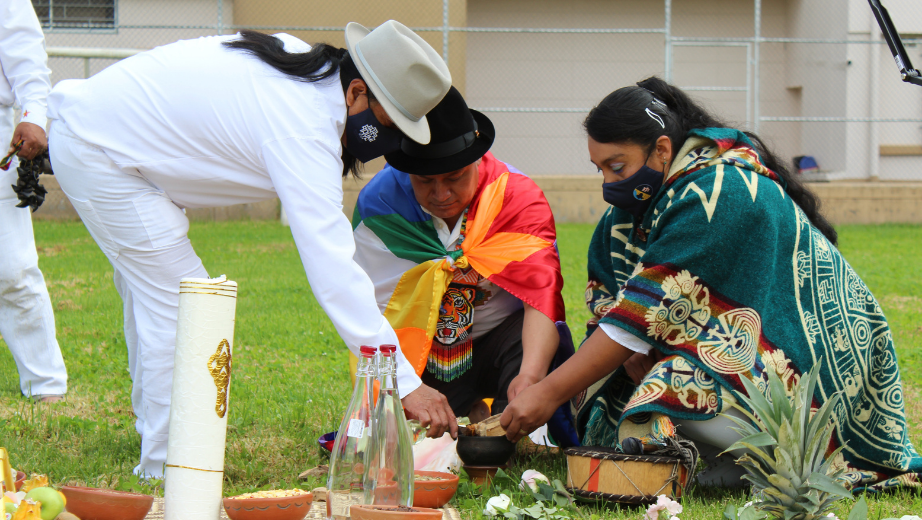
291	381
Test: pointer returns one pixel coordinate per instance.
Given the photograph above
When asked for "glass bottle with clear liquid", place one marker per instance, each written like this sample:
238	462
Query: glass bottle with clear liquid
345	483
389	476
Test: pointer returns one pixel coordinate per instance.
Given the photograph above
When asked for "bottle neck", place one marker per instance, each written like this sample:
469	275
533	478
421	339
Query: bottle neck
365	367
387	372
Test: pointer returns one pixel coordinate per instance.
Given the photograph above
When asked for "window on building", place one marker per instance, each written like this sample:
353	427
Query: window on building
76	14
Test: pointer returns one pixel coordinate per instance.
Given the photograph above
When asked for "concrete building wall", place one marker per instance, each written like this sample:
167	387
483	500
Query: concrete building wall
555	70
818	72
872	73
578	70
295	13
203	14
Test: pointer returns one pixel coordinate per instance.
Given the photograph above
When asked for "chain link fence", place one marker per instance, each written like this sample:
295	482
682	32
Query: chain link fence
813	77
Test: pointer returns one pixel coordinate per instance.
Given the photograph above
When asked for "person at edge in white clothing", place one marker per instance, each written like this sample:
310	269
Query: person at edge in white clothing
26	315
237	119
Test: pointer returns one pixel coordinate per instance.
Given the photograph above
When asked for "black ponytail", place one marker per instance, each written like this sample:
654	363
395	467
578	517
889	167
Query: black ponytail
623	117
319	63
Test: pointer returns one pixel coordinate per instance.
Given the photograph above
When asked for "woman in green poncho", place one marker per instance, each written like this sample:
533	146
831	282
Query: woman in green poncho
714	264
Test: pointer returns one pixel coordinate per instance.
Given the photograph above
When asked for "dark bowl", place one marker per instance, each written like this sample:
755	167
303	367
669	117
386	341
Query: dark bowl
485	451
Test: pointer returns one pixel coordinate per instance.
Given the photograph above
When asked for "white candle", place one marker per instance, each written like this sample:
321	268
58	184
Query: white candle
201	396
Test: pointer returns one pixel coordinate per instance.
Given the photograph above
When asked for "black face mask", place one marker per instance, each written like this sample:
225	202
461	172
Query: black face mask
635	193
367	138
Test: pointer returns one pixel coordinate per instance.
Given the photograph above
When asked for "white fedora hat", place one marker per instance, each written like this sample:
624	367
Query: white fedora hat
404	73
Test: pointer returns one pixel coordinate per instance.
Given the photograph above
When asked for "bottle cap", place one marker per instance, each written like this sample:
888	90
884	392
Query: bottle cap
388	349
368	351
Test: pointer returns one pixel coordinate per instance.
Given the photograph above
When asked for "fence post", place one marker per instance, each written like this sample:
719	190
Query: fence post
874	102
757	38
445	30
220	26
668	37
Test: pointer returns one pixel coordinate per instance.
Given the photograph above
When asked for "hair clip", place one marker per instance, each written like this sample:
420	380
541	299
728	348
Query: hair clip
656	117
656	100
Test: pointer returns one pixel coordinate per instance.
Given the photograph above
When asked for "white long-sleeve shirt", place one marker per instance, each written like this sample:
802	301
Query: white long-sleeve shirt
212	126
24	65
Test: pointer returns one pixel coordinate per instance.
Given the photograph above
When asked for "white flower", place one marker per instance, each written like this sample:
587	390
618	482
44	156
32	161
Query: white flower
531	478
910	517
833	516
663	503
501	501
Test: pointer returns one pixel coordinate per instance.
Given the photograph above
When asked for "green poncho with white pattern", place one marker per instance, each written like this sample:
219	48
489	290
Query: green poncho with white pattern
728	279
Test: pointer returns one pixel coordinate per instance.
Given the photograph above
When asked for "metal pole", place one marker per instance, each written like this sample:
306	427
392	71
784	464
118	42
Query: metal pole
668	41
445	31
220	26
874	103
748	85
756	113
86	67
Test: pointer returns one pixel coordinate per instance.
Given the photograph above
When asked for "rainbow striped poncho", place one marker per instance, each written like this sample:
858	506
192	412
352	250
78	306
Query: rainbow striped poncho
509	239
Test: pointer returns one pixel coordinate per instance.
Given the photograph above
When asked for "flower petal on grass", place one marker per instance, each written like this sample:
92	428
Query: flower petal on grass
501	501
531	478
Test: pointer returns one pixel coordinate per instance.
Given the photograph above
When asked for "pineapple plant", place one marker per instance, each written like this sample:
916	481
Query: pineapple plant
786	446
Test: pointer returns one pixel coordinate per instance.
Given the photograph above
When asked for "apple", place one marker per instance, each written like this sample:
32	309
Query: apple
52	501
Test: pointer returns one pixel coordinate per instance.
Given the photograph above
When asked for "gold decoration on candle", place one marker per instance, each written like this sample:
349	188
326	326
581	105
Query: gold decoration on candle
219	364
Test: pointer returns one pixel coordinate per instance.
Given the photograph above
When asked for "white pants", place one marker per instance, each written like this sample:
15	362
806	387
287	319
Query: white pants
144	235
26	316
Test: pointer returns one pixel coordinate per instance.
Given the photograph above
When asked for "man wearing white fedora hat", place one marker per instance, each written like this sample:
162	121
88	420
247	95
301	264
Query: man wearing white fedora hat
230	120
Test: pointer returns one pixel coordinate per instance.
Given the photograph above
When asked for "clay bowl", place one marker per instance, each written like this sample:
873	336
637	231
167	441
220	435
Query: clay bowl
281	508
106	504
434	493
375	512
484	451
20	478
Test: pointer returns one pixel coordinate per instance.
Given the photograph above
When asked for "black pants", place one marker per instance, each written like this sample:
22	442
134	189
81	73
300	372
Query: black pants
496	360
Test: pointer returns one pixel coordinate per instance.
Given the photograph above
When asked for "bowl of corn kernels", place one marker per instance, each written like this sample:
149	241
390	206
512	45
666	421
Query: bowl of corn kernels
275	504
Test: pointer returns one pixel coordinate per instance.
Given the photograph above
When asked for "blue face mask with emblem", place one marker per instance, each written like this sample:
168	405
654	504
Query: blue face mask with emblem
367	138
635	193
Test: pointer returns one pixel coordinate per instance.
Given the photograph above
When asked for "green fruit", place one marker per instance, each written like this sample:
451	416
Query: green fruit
52	501
9	507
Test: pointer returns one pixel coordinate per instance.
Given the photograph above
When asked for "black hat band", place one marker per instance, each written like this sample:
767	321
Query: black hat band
439	150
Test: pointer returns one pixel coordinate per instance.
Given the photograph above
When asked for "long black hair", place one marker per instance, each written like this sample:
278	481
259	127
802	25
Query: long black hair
319	63
622	118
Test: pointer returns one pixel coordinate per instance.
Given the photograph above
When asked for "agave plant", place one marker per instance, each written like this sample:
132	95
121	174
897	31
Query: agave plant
786	447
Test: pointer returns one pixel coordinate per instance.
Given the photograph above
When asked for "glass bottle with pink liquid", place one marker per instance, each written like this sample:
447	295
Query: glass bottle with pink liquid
345	482
389	476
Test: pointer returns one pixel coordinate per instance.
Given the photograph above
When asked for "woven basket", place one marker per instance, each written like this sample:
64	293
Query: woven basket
607	474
